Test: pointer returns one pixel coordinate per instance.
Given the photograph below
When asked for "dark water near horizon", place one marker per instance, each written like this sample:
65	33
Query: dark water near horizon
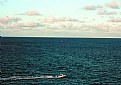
85	61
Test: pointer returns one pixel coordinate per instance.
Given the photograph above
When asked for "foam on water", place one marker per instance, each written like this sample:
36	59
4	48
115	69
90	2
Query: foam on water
26	77
31	77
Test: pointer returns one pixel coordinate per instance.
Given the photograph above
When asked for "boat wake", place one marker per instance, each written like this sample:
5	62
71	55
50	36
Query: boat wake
31	77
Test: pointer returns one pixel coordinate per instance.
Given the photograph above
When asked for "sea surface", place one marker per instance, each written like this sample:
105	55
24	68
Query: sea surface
36	61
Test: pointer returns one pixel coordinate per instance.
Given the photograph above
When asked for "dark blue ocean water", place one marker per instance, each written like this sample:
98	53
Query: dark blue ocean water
85	61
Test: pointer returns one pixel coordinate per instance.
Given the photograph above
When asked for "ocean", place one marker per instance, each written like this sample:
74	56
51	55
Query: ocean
37	60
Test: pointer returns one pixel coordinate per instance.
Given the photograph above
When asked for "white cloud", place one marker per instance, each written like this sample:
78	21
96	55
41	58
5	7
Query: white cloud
104	12
113	4
31	13
52	19
28	24
8	19
114	20
92	7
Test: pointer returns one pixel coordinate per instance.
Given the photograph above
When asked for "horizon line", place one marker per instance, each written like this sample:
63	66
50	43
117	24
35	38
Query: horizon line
52	37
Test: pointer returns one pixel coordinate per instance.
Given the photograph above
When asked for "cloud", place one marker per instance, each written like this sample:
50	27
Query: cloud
31	13
61	19
62	25
104	12
71	19
112	4
52	19
99	28
92	7
86	27
3	24
27	24
114	20
69	25
115	28
109	28
103	27
9	19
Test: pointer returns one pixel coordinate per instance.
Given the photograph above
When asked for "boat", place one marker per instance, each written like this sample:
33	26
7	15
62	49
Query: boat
60	76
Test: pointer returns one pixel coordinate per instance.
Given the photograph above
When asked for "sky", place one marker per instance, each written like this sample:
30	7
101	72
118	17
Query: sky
61	18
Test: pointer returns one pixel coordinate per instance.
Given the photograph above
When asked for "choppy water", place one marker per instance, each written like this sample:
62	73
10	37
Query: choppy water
32	61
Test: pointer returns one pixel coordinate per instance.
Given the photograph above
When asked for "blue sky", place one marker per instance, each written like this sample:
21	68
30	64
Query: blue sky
60	18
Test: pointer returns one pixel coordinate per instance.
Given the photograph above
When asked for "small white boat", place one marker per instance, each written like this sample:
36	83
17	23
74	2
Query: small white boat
60	76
